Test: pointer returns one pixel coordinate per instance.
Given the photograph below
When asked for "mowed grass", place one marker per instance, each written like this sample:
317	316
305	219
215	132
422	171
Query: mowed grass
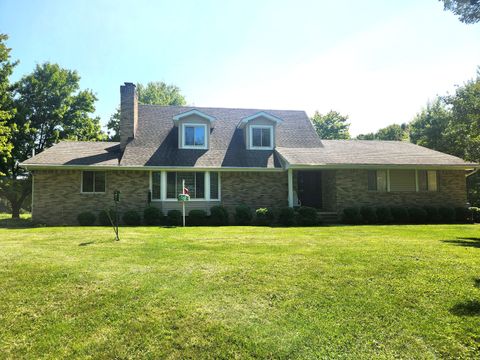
240	292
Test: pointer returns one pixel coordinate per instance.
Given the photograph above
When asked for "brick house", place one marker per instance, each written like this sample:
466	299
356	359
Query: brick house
261	158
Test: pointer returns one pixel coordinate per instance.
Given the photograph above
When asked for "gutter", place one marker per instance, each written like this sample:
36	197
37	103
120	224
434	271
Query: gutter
472	172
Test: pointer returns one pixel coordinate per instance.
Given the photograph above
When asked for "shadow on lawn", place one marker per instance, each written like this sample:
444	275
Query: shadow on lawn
468	242
16	223
466	308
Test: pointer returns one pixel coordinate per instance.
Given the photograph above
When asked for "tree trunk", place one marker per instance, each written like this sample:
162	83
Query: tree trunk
16	210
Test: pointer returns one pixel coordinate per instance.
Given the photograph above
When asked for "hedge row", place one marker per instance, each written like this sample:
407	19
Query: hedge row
243	215
407	215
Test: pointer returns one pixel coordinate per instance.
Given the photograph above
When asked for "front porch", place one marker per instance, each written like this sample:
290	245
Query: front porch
313	188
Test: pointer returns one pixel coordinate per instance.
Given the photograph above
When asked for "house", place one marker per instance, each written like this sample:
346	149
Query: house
261	158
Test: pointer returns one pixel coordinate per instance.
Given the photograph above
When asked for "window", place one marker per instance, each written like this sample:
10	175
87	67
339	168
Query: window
377	180
194	182
427	180
93	182
214	193
402	180
261	137
156	185
194	136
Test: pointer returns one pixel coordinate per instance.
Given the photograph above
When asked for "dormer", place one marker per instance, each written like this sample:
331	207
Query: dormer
259	131
193	129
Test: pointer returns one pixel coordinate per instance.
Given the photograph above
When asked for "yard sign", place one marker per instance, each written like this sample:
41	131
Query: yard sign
183	197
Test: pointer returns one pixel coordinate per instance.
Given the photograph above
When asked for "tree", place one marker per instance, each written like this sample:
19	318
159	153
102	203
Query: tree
7	110
332	125
154	93
467	10
392	132
50	107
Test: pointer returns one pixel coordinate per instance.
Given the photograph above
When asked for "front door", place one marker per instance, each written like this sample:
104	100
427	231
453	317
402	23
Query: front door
310	188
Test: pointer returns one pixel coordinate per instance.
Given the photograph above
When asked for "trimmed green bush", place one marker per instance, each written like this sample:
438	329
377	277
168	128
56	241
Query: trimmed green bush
86	218
174	218
433	216
264	217
243	215
197	218
307	216
152	215
417	215
384	215
103	219
462	215
475	214
447	214
352	216
369	215
218	215
286	216
400	215
131	218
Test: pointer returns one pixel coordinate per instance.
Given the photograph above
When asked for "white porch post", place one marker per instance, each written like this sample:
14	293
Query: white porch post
290	187
163	185
207	185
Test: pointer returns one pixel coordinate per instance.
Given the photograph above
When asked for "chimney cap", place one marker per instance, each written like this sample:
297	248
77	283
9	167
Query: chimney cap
129	84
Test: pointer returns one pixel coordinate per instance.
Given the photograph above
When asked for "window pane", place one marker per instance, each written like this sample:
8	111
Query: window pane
256	137
171	185
432	180
87	181
199	135
99	181
372	180
422	180
402	180
189	135
381	180
214	185
189	178
200	185
266	137
156	179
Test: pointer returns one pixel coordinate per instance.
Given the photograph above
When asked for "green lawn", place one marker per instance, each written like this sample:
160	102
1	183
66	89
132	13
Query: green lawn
240	292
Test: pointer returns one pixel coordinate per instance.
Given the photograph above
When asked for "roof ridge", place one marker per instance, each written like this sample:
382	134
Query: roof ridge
218	108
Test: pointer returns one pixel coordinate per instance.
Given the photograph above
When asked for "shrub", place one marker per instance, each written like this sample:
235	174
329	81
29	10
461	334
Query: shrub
369	215
307	216
264	217
243	215
475	214
433	216
352	216
462	215
197	217
86	218
286	216
174	218
218	215
103	219
417	215
131	218
384	215
447	214
152	215
400	215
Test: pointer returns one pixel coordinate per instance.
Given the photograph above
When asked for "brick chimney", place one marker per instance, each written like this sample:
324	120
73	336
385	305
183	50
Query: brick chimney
128	113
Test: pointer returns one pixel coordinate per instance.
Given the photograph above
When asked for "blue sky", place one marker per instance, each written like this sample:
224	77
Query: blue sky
377	61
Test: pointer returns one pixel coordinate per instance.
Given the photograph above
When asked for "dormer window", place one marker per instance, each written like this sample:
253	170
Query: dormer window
261	137
194	136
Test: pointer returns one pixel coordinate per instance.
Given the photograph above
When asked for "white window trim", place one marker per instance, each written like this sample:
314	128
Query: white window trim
251	127
417	184
92	192
202	147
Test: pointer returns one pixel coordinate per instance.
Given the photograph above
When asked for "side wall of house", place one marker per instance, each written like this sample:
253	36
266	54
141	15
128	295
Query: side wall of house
352	190
57	199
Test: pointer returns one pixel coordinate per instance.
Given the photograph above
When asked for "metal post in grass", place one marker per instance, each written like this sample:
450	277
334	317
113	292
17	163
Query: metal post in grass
183	197
114	222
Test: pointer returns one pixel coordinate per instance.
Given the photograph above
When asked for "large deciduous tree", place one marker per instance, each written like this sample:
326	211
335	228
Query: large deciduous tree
332	125
50	107
154	93
468	11
391	132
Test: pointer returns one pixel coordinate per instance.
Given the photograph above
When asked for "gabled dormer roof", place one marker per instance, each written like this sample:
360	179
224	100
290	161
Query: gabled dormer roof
196	112
260	114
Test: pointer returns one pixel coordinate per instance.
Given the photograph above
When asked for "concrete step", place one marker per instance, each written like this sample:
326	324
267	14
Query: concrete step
328	217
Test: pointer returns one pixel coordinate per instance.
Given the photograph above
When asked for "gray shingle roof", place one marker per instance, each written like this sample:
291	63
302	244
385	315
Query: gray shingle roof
156	144
368	152
78	153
